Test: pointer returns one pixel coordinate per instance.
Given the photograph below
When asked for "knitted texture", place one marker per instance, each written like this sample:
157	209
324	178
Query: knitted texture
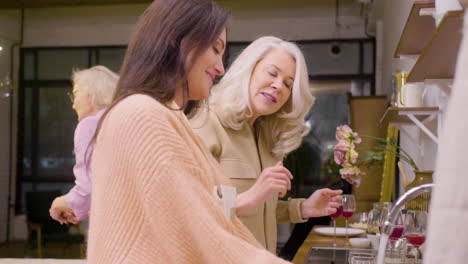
152	193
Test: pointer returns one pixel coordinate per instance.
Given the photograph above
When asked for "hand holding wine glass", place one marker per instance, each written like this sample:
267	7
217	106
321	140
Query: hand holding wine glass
349	207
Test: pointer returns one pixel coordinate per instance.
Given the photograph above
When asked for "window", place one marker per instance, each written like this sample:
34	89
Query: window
46	129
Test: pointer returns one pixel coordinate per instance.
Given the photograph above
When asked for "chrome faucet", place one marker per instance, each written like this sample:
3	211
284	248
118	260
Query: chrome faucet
393	214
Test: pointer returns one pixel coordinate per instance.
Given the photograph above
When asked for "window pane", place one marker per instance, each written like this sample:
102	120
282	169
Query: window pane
27	132
28	187
234	50
368	58
57	122
332	58
94	60
28	65
59	64
112	58
308	163
361	87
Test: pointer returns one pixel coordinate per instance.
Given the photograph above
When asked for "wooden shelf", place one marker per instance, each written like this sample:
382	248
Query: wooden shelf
417	32
400	114
439	55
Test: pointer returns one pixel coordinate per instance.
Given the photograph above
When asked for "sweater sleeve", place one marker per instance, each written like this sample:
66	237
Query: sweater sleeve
289	211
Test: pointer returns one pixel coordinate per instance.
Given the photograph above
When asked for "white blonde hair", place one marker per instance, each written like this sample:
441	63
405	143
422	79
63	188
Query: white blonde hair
283	130
99	82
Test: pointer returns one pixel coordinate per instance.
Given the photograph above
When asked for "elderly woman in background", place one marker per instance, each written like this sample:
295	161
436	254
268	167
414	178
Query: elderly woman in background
254	119
93	91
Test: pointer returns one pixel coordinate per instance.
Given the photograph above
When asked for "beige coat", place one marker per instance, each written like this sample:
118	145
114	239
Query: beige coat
243	161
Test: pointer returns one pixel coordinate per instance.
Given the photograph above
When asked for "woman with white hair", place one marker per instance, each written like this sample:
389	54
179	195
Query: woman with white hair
93	91
254	119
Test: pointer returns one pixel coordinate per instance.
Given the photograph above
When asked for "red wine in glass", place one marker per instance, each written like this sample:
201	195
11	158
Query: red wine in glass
347	214
416	239
349	206
337	214
397	232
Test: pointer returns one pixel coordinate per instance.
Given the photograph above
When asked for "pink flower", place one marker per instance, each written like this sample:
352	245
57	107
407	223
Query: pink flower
345	154
340	157
343	132
353	155
342	145
351	175
357	138
340	150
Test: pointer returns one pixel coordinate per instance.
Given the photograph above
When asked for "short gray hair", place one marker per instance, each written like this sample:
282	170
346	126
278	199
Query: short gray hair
99	82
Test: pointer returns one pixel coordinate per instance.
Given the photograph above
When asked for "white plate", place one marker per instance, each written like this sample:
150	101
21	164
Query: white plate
340	231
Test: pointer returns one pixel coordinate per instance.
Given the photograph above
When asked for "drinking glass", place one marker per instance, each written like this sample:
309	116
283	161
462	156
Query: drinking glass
415	229
349	207
394	245
335	216
377	216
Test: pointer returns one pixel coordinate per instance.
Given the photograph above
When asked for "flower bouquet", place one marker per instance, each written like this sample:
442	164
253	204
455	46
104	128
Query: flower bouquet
346	156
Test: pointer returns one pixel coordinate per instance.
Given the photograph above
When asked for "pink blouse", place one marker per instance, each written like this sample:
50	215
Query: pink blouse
79	197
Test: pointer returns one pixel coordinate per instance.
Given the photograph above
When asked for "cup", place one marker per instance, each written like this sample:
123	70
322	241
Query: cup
411	95
374	240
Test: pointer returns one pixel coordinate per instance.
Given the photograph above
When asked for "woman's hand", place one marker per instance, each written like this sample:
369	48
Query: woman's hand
321	203
276	179
61	212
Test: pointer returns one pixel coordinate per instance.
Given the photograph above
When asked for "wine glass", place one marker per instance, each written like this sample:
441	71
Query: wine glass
415	229
335	216
349	207
394	248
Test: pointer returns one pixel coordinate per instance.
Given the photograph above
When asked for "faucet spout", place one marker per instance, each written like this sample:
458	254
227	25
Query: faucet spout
393	214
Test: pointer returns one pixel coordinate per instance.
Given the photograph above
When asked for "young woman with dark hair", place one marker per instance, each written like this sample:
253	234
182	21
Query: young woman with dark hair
155	191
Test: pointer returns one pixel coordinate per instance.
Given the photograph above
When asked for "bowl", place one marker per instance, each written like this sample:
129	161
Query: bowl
359	242
374	240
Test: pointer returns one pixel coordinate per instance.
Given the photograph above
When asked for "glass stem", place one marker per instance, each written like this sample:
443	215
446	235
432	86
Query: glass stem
347	231
334	233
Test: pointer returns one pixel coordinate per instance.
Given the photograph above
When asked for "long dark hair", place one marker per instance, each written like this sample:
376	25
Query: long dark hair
155	61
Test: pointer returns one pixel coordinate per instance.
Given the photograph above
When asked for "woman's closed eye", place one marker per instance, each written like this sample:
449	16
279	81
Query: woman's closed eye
272	73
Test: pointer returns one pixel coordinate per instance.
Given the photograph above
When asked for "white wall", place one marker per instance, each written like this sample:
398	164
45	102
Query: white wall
112	25
80	26
296	24
86	26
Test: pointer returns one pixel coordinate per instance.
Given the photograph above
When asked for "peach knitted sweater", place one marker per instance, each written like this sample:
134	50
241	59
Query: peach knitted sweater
152	198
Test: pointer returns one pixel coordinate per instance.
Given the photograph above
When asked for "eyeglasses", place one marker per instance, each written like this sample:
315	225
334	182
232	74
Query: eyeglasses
71	95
